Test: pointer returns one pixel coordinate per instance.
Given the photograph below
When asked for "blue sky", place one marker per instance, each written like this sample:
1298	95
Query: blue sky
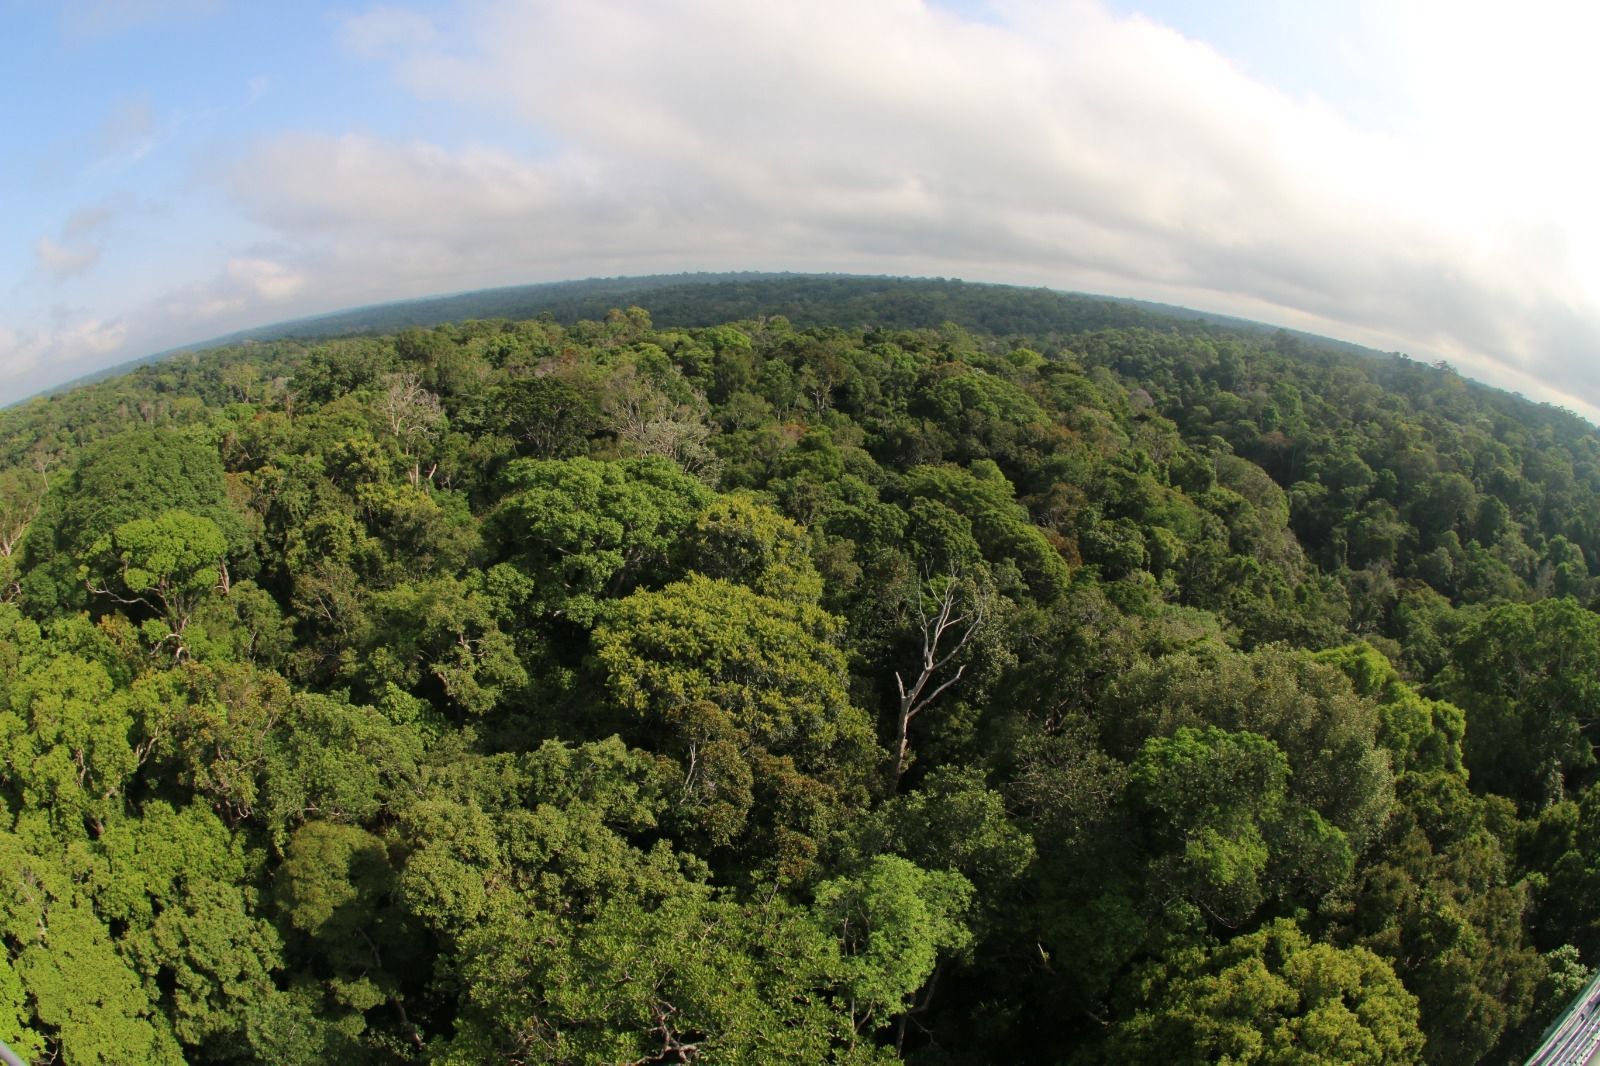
1407	174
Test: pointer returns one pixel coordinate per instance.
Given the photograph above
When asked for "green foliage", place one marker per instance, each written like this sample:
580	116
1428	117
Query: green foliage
1528	676
771	666
1212	801
1573	865
184	887
1438	899
166	564
739	540
87	996
264	755
714	667
1309	710
984	497
892	921
693	977
15	1016
549	417
1270	997
1421	735
507	691
582	531
953	822
68	741
445	630
134	476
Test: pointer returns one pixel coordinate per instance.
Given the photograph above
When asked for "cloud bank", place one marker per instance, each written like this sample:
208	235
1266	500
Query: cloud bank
1056	144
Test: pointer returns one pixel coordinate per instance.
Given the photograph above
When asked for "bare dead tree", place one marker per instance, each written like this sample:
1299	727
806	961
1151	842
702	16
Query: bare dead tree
647	421
240	380
412	414
947	629
684	441
20	500
633	403
281	387
22	494
42	459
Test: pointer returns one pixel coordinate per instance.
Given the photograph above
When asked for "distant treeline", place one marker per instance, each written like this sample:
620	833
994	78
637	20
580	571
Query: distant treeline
687	300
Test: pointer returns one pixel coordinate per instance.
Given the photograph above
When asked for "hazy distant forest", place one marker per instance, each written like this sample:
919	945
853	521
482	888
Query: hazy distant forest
797	671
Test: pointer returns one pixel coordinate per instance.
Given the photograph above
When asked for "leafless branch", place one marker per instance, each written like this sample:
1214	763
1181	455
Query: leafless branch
947	629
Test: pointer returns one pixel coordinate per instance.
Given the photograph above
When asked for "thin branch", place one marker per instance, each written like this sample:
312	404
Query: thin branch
938	653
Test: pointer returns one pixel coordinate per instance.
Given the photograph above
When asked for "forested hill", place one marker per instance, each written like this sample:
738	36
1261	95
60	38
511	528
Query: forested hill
686	300
1033	689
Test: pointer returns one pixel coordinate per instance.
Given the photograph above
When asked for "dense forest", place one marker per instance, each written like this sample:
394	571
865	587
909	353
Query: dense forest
887	671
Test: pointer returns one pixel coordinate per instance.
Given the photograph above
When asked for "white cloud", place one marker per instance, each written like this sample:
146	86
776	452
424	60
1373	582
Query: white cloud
129	125
1051	143
76	252
245	291
19	352
1061	145
128	134
267	280
102	17
246	287
86	221
380	30
302	184
73	344
61	261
